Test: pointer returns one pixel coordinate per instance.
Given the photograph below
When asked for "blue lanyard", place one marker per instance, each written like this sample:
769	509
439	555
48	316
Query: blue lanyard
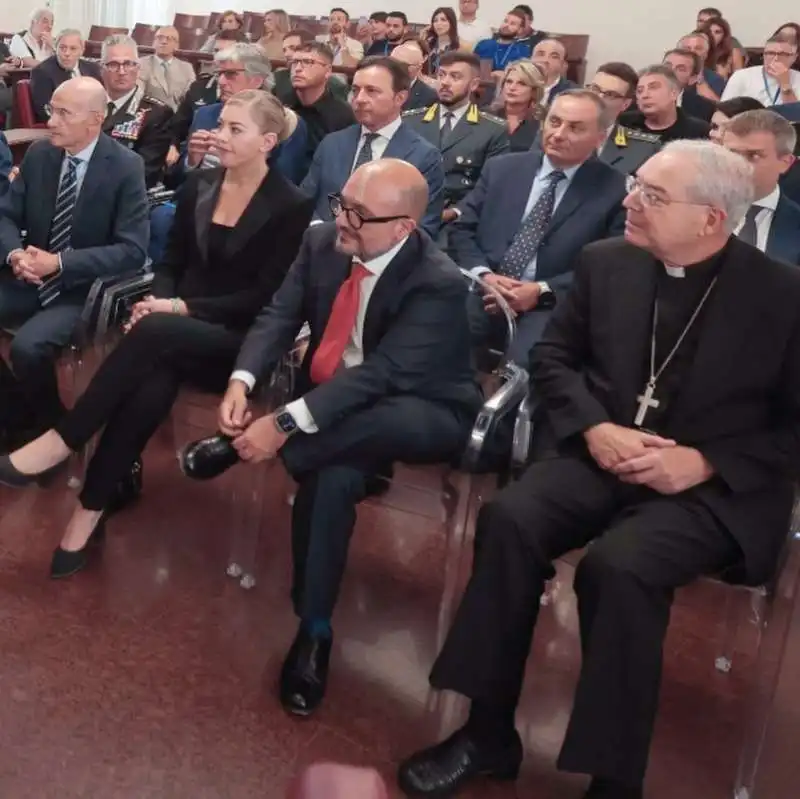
774	100
506	56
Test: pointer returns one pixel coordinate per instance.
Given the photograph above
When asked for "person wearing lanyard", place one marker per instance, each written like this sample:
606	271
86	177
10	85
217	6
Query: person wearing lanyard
505	48
774	83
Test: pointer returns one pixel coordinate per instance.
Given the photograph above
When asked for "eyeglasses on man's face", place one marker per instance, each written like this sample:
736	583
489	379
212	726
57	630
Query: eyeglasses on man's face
652	197
306	63
355	218
606	94
58	112
121	66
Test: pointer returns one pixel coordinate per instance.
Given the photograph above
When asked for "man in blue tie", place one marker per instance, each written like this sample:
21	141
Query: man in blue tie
530	214
77	212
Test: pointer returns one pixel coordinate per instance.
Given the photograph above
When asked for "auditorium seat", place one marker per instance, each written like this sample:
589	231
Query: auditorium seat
22	107
191	21
98	33
144	34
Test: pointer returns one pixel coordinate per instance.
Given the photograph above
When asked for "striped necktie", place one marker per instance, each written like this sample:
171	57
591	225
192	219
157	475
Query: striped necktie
365	153
61	227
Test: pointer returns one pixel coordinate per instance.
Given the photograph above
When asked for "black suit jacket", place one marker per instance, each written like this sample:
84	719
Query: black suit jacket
260	249
416	336
49	75
697	106
739	403
110	227
783	241
420	96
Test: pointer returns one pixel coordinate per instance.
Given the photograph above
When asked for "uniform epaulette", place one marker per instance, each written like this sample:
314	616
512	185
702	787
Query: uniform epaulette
153	100
414	112
641	135
492	118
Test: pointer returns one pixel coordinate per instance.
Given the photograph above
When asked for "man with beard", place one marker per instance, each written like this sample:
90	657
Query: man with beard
465	136
505	48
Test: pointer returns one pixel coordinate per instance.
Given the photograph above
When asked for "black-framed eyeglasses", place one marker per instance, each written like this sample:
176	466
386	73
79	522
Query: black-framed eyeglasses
355	218
121	66
605	94
230	74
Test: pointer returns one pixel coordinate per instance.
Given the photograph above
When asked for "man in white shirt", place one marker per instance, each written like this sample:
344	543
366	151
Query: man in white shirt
34	45
471	28
767	141
774	83
164	77
347	51
386	377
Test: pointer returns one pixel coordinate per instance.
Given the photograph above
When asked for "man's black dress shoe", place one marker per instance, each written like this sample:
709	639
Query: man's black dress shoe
128	489
441	770
305	673
13	477
609	789
209	457
65	563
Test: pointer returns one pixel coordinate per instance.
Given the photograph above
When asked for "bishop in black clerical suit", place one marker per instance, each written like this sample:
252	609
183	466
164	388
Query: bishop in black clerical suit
703	485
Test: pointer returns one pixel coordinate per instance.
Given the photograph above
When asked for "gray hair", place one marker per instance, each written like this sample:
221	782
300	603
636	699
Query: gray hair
252	57
664	71
118	40
41	12
718	177
69	32
765	121
604	116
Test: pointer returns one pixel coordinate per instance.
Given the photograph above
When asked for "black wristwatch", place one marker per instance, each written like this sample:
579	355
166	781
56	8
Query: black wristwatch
285	422
547	297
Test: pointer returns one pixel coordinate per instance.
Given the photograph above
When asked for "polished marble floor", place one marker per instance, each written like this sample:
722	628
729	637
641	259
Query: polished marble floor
152	674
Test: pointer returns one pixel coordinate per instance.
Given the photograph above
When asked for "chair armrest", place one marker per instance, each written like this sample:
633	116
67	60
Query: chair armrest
159	195
512	391
523	429
118	298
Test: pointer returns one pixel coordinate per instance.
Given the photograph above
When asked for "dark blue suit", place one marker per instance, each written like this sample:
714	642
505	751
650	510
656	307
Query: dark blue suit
289	157
491	214
6	163
563	85
109	236
336	154
783	242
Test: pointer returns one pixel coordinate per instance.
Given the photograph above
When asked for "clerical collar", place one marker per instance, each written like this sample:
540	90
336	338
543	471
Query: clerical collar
700	270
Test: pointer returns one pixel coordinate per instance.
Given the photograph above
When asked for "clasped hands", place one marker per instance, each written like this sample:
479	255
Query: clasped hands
520	295
640	458
255	441
33	265
152	304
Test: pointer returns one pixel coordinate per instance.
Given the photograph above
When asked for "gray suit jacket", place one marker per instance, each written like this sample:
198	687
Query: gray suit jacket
333	162
154	80
110	227
476	137
627	149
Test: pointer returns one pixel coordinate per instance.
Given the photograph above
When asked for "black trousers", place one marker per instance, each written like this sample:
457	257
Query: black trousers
135	387
646	546
332	469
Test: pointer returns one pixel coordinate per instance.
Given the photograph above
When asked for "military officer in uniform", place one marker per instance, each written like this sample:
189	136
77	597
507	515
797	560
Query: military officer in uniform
627	149
465	135
139	123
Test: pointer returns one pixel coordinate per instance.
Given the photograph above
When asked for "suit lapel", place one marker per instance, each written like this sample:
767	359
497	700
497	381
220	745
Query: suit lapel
579	189
51	177
459	133
258	212
399	146
385	291
780	234
96	173
430	130
207	194
519	191
630	306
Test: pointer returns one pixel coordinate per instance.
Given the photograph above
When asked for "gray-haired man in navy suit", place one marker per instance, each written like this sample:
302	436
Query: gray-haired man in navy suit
77	211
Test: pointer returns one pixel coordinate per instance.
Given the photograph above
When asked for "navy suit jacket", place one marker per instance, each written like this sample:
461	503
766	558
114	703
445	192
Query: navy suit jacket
491	213
6	163
49	75
334	159
783	242
110	226
563	85
289	157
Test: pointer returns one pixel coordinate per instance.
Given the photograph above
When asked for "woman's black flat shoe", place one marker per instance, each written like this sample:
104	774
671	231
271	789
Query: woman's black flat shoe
65	563
13	477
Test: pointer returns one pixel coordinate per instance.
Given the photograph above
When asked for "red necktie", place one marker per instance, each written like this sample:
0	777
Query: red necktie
340	326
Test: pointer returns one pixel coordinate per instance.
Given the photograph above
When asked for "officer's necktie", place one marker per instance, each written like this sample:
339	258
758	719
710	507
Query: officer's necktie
61	226
110	110
749	232
365	153
526	243
447	127
339	327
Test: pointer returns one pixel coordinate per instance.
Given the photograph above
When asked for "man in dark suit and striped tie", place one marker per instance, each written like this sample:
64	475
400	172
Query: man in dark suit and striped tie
77	211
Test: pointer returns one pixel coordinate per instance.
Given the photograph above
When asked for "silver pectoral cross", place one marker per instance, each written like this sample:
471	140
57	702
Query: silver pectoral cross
646	401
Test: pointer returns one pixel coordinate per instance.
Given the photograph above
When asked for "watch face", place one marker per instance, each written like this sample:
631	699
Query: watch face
547	300
286	422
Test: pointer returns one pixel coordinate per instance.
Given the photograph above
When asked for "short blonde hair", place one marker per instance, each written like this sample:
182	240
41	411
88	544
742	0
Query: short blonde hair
530	75
266	110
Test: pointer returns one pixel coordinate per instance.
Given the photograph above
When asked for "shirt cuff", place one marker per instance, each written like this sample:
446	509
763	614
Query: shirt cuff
480	270
300	413
245	377
8	257
315	222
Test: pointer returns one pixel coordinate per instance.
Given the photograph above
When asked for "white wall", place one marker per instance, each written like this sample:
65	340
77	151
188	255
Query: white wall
630	30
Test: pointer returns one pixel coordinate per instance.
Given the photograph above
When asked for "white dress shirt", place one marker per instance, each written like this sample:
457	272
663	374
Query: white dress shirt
458	114
121	101
353	353
473	32
23	46
538	187
764	217
754	82
379	144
